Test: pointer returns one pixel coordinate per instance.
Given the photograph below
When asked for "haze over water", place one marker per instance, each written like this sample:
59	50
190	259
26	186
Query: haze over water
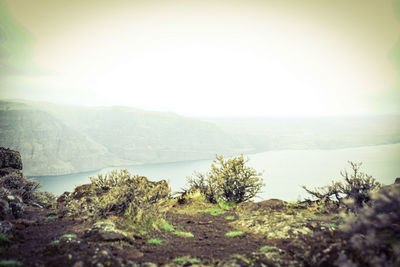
285	171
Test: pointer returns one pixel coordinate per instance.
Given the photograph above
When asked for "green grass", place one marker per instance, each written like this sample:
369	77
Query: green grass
333	225
230	218
234	233
10	263
55	242
335	217
4	238
184	234
51	217
155	241
214	211
184	260
226	205
265	248
70	236
167	227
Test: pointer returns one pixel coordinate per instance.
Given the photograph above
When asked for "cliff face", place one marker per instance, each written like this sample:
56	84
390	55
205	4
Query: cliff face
47	146
56	140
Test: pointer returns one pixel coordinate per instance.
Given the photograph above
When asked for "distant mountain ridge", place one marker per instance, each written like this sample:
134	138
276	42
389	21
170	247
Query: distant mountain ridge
57	139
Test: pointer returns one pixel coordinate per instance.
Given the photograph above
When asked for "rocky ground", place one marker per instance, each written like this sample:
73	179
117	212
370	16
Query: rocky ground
77	229
40	238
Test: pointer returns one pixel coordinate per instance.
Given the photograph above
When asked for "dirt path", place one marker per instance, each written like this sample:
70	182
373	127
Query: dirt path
34	233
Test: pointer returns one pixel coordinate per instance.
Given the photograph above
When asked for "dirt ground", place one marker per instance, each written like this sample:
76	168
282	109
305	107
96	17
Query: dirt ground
33	233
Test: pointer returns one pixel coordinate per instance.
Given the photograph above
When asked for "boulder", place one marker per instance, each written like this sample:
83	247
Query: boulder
16	205
6	227
106	231
5	210
10	159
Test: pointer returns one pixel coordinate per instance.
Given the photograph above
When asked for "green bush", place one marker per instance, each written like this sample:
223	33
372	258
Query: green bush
355	188
228	180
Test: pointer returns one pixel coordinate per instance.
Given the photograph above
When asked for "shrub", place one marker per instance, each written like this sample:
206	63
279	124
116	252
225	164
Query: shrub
117	194
374	234
229	180
355	187
17	184
371	237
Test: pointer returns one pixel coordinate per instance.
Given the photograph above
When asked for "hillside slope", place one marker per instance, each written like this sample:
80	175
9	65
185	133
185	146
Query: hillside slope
56	139
47	145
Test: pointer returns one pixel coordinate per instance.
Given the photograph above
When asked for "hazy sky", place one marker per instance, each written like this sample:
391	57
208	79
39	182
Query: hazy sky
205	58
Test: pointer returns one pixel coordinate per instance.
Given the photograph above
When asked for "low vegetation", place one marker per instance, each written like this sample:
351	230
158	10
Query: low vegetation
353	222
353	192
155	241
228	180
121	194
234	233
183	234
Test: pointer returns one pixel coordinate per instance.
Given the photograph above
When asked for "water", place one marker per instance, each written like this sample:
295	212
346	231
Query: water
284	171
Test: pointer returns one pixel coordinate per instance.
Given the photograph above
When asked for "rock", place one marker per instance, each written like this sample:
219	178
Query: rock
79	264
130	253
10	159
106	231
16	205
6	227
5	210
24	222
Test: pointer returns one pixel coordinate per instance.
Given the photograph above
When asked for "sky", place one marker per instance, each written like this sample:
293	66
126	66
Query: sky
205	58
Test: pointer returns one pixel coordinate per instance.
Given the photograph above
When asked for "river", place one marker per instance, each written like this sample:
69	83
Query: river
284	171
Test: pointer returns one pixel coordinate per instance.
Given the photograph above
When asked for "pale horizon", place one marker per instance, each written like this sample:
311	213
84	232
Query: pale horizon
205	59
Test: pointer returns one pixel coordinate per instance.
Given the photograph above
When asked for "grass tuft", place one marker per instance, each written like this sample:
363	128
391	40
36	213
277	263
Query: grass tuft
230	218
4	238
10	263
184	260
55	242
51	217
226	205
155	241
184	234
214	211
234	233
167	227
265	248
70	236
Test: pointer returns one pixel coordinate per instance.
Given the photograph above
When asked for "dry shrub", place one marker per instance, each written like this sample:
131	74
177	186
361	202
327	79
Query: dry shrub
368	237
355	187
17	184
229	180
117	194
373	234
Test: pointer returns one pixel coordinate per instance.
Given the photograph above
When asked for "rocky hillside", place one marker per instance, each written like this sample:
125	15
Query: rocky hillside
47	145
57	140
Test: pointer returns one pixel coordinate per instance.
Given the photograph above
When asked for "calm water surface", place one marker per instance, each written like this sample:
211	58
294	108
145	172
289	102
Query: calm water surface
284	171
